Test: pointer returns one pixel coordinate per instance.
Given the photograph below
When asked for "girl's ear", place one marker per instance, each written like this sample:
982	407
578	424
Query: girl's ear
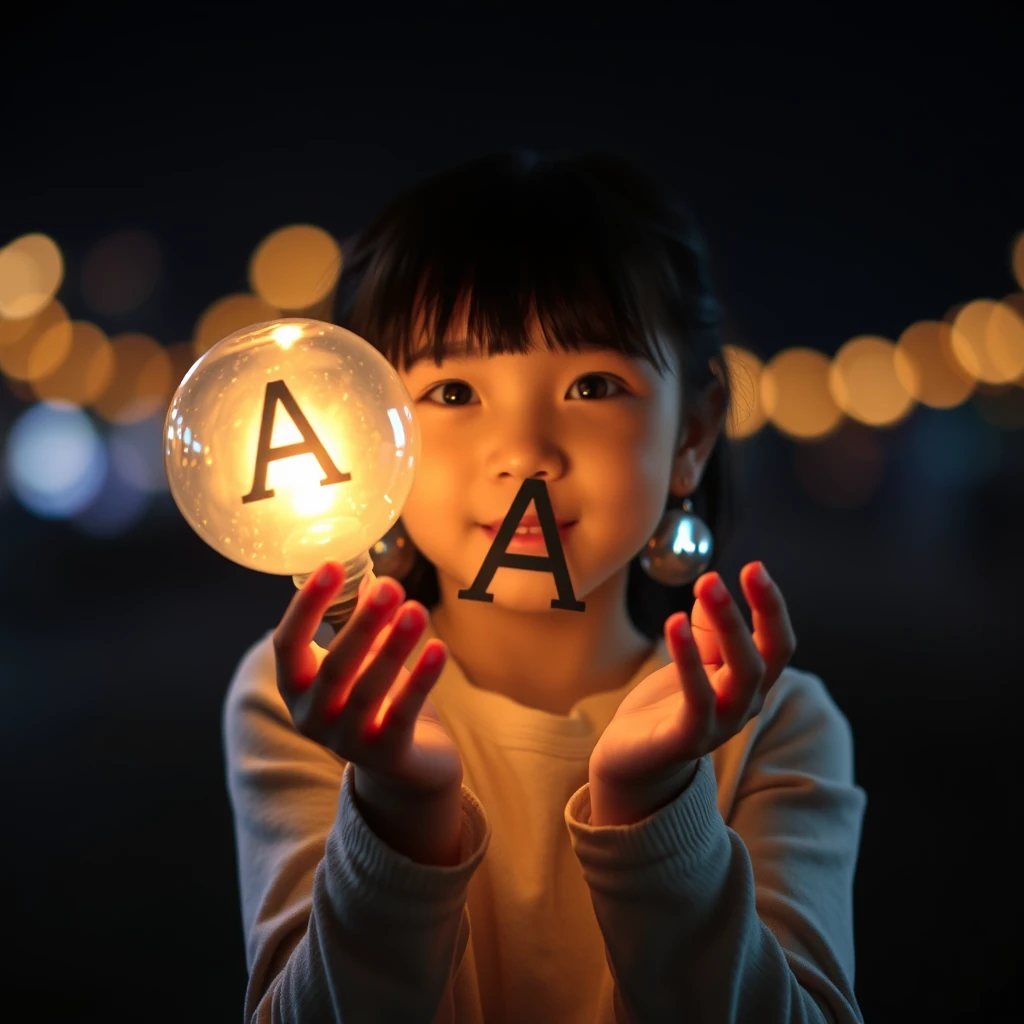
701	426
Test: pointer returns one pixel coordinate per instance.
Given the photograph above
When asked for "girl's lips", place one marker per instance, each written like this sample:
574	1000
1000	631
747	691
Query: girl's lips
530	542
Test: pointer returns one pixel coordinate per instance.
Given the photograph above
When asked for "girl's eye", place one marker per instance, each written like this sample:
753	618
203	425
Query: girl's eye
601	380
595	387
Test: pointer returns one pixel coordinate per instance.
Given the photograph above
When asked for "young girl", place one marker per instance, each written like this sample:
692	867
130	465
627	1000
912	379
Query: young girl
595	817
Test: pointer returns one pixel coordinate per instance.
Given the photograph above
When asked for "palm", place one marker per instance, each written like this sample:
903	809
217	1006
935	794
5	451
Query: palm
428	755
651	728
706	694
648	729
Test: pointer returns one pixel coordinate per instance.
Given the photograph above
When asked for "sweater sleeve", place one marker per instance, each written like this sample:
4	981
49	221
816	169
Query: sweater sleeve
338	927
752	920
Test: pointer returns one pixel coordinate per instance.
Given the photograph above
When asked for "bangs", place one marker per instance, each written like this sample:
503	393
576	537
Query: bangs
523	243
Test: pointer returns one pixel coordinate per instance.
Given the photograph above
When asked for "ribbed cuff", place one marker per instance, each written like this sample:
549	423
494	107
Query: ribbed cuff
371	871
657	854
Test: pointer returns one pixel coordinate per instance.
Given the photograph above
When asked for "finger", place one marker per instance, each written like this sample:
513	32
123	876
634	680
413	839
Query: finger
295	659
705	634
398	714
698	694
773	636
738	681
366	584
360	701
349	649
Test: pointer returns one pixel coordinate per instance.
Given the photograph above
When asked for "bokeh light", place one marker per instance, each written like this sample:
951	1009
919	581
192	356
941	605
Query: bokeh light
746	415
141	382
1015	300
31	273
988	341
227	315
795	394
1005	337
295	267
34	348
55	461
121	271
926	367
86	372
136	449
117	507
864	383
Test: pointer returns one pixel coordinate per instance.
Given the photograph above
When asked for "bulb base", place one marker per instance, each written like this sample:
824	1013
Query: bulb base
340	610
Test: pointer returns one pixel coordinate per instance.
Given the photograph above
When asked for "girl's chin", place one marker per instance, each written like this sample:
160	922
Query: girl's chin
523	590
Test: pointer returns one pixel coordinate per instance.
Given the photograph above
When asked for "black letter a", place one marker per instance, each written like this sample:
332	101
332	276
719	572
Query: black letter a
537	492
277	391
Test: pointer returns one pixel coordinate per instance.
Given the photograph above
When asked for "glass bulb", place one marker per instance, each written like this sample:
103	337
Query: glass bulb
291	442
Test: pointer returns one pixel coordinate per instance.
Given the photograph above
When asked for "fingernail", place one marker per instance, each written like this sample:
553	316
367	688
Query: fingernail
683	629
327	577
762	576
382	595
716	591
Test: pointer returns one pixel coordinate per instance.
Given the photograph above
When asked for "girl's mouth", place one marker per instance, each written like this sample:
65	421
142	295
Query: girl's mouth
529	540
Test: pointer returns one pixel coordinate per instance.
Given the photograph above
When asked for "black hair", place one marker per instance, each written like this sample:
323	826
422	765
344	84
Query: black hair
592	247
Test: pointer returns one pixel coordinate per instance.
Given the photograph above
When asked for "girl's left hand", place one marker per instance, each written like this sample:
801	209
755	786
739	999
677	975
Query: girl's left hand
717	682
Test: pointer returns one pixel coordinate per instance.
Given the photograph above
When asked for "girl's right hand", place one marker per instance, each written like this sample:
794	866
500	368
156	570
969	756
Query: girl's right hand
357	698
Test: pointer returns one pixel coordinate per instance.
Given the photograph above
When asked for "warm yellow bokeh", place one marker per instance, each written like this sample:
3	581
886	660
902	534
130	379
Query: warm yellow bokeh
746	416
295	267
1015	300
140	383
227	315
40	344
1017	259
1004	340
926	367
988	341
795	394
85	373
864	383
31	273
11	331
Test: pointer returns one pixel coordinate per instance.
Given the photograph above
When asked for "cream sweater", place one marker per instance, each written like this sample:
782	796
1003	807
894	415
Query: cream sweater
731	904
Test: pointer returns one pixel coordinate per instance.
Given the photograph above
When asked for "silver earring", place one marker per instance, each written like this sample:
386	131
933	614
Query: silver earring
394	554
680	549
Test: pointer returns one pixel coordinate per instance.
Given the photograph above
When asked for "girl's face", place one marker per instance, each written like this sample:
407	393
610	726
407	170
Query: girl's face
600	429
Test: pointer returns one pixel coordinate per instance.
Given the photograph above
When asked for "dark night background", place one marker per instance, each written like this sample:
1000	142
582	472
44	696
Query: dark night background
851	176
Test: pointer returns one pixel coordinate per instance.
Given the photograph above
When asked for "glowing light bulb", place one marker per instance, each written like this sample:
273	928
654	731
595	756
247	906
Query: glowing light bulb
291	442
